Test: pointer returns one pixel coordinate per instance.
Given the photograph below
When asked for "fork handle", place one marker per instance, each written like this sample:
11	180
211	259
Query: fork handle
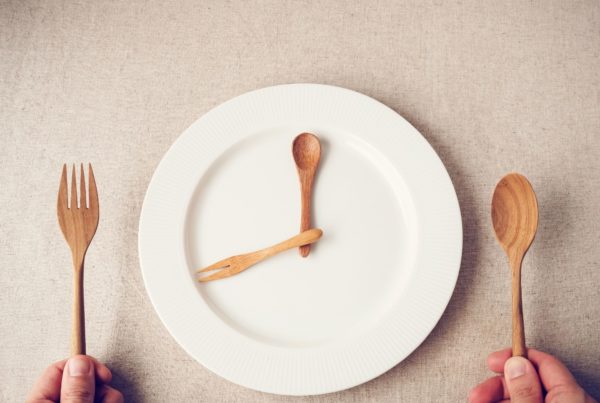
304	238
78	319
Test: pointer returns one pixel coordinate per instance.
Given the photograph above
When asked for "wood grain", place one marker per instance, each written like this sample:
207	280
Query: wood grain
306	150
515	219
78	225
236	264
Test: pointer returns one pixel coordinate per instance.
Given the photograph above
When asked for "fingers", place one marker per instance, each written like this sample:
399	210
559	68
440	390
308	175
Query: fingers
556	379
497	359
589	399
78	383
552	372
571	394
47	387
522	381
106	394
103	374
491	390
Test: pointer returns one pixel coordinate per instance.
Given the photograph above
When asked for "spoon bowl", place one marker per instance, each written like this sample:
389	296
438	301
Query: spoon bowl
515	220
306	149
514	213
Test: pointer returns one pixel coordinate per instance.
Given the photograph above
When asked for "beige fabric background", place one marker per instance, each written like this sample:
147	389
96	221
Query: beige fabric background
494	86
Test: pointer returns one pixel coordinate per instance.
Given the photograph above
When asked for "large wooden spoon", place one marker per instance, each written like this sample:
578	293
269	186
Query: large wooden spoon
515	219
307	153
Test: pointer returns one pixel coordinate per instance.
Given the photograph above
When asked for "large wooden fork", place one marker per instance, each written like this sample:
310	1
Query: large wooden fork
78	225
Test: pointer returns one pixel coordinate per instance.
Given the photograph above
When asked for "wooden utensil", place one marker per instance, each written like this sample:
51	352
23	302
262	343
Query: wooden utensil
236	264
515	219
306	149
78	225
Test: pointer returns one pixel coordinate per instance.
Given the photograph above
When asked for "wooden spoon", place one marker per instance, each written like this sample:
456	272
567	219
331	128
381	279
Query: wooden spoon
307	153
515	219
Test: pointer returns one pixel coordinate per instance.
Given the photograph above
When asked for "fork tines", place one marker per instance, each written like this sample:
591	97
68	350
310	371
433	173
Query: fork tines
93	192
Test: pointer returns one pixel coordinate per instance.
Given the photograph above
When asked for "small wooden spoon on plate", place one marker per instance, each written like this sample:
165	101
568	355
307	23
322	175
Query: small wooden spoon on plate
307	153
515	219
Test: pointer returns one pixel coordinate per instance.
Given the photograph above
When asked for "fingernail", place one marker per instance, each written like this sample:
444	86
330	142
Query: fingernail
78	366
515	367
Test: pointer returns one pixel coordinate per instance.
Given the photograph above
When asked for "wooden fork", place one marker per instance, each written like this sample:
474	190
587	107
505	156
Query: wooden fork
78	225
236	264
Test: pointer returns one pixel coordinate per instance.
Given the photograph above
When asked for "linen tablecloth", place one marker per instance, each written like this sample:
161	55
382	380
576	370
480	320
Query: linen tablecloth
494	86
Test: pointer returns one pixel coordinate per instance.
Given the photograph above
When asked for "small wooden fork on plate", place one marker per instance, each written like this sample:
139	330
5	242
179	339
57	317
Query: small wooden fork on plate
237	264
78	225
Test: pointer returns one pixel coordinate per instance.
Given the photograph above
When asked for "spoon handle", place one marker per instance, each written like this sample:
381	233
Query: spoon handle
518	327
306	182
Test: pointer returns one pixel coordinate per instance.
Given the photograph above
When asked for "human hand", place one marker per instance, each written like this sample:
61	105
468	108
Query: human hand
80	379
521	381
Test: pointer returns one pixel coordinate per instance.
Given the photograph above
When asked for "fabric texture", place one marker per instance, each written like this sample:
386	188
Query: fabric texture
494	86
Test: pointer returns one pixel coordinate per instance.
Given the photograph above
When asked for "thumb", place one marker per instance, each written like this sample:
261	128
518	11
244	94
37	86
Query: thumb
78	384
522	381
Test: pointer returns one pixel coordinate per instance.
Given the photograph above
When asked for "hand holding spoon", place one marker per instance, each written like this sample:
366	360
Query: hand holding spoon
515	219
307	153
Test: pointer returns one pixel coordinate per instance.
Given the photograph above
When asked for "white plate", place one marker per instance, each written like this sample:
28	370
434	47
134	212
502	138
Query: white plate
372	288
